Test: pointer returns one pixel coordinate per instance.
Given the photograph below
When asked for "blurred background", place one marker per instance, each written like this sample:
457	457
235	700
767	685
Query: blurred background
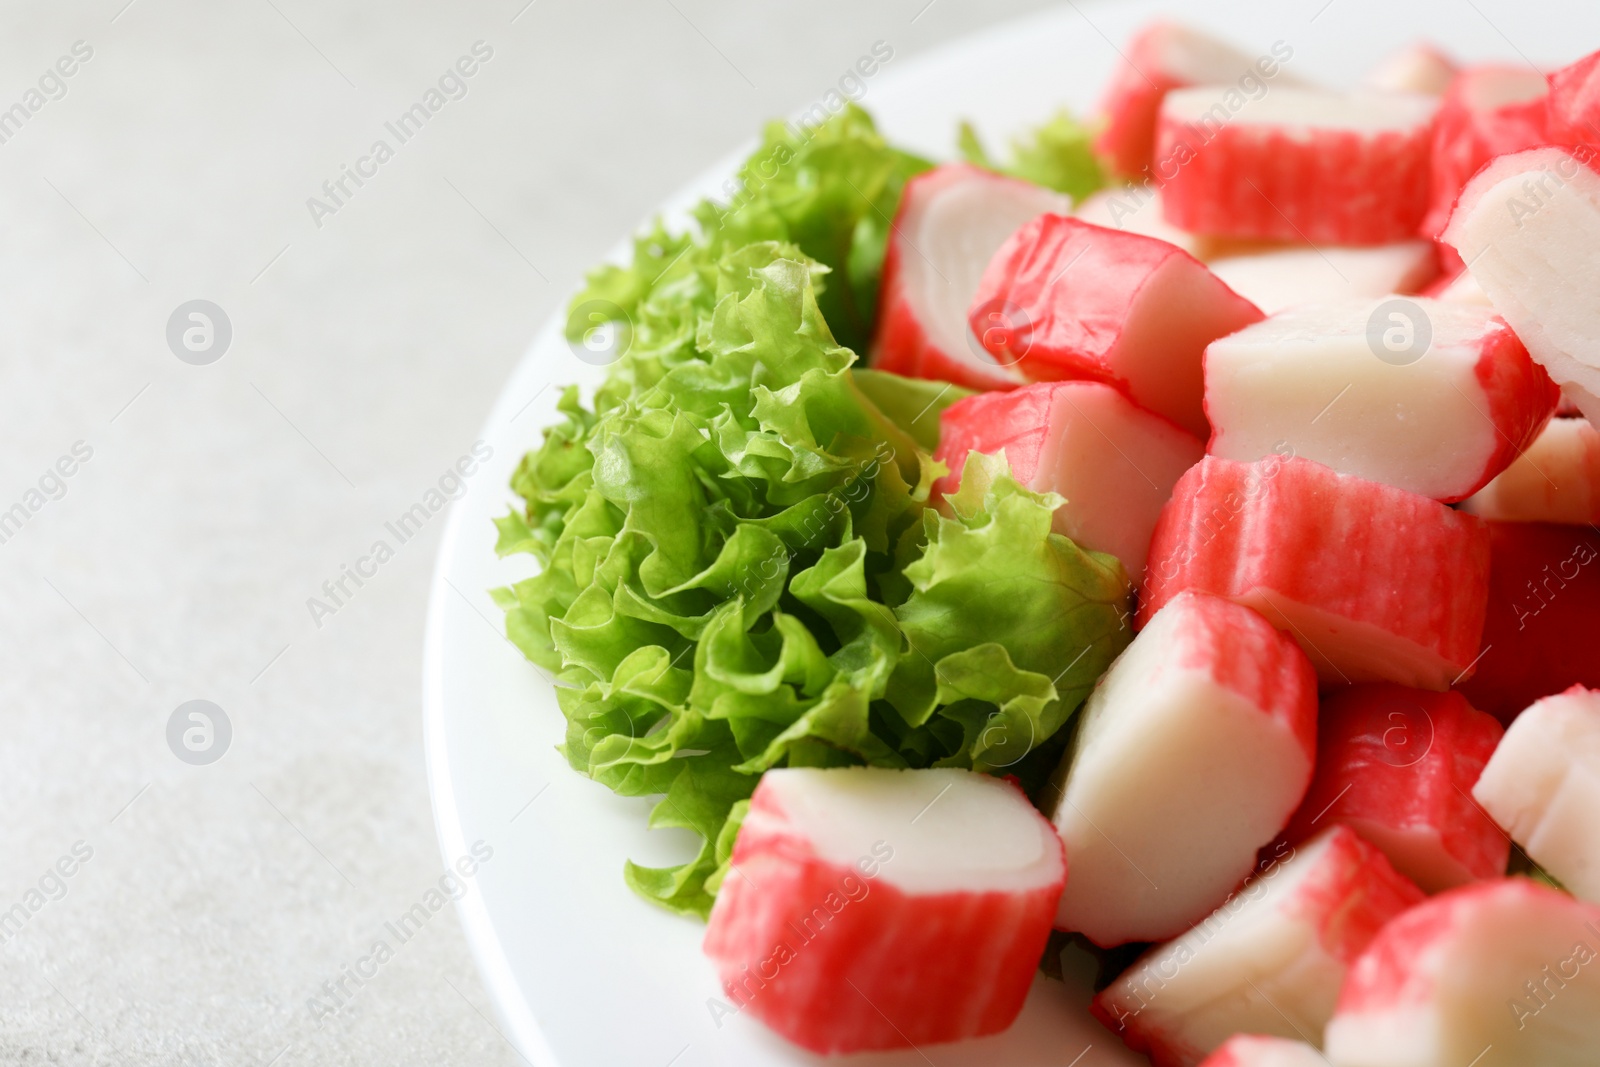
224	468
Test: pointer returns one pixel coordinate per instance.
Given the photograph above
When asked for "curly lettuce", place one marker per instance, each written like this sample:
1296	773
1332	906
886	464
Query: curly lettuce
1058	155
741	564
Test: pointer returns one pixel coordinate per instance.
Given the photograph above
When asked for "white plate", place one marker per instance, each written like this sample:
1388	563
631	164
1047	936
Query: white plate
581	971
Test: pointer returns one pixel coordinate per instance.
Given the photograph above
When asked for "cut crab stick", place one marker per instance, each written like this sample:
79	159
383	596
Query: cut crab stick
1528	225
1462	288
875	909
1428	396
1397	766
950	221
1377	584
1246	1050
1557	479
1574	105
1544	613
1137	209
1417	68
1543	786
1286	277
1496	974
1115	463
1193	751
1165	56
1488	112
1269	961
1066	299
1297	165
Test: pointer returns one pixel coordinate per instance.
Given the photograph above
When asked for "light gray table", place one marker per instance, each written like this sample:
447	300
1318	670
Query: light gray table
175	563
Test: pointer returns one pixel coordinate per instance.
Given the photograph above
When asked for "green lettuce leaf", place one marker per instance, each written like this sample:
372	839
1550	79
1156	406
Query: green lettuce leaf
740	566
830	190
1058	155
1005	615
912	404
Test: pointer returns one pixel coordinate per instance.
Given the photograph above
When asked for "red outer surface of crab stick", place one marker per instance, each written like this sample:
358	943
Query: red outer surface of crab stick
1397	765
1544	613
1375	583
1165	56
1065	299
1269	961
1114	462
1488	112
950	221
1298	165
870	908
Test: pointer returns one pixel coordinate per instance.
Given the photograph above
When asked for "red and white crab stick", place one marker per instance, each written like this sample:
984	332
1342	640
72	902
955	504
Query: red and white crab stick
1397	765
1193	751
1543	786
1269	961
1375	583
1297	165
1113	462
1428	396
951	220
1495	974
874	909
1065	299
